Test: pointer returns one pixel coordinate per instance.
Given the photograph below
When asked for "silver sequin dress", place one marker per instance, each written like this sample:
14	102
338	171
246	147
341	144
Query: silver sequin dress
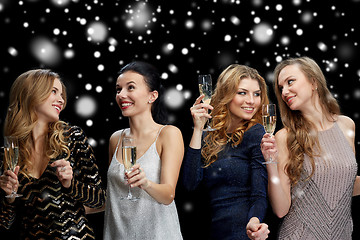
321	207
145	218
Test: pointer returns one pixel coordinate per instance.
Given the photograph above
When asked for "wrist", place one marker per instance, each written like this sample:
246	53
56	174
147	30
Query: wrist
146	185
198	129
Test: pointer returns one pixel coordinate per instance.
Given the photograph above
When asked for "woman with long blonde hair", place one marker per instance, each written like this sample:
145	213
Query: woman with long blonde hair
56	174
228	161
315	178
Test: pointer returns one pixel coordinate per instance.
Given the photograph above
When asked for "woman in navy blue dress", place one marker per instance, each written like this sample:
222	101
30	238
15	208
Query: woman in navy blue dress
228	161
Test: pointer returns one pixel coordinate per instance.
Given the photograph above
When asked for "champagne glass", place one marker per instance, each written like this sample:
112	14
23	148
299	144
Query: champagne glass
11	157
205	87
128	148
269	122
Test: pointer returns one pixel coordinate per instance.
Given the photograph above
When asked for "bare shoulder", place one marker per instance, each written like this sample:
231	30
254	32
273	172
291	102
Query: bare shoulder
114	138
170	142
346	123
170	131
170	136
347	126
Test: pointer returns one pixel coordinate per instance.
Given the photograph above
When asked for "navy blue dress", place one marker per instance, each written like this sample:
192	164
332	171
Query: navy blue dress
236	184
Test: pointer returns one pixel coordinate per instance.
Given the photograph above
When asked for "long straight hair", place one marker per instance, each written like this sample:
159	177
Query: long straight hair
302	138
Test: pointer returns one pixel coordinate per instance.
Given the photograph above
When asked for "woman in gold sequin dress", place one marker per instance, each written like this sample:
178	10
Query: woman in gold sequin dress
56	175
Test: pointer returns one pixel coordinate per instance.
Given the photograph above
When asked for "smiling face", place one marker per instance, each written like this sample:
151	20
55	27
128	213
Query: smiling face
132	94
49	110
246	101
296	89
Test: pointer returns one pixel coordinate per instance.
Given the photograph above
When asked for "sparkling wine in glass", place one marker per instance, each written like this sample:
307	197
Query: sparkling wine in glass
269	122
205	87
11	157
128	148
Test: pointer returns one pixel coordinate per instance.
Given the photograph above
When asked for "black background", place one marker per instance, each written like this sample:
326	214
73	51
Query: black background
206	37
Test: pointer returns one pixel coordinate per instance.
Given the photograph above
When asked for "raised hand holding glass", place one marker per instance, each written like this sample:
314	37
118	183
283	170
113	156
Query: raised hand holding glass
205	88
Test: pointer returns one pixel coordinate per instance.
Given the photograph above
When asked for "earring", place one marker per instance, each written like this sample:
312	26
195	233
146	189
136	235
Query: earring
149	101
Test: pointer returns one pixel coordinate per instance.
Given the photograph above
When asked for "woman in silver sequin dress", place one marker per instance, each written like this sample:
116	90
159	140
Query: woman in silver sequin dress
159	150
315	178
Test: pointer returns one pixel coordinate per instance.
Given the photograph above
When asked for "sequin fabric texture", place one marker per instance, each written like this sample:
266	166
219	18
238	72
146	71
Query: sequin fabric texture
321	206
49	211
145	219
236	184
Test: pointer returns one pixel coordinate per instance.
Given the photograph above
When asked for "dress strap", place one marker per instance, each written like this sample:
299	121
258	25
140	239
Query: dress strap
159	132
117	145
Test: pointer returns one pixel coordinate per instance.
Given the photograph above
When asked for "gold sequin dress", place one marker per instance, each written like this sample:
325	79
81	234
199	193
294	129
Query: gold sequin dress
47	210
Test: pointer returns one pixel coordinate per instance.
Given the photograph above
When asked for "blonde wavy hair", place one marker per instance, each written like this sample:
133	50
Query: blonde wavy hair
226	88
28	91
302	135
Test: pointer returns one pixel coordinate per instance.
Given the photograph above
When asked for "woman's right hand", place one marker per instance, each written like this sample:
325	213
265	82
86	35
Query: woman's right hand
256	230
199	112
268	146
9	182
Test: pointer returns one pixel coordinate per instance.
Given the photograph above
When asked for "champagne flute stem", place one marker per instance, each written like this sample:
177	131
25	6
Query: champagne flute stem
129	193
271	160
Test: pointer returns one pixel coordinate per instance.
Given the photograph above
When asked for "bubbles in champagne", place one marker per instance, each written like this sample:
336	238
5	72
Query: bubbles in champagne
204	89
11	155
128	156
269	123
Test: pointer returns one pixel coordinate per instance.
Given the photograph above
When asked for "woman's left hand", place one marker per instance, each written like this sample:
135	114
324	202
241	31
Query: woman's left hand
256	230
137	177
63	171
